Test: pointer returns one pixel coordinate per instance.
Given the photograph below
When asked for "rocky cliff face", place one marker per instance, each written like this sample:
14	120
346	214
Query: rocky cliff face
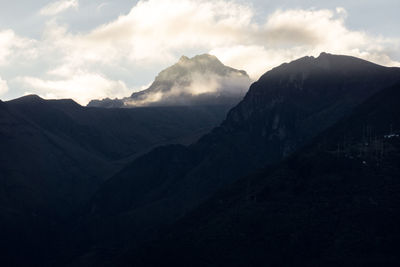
201	80
282	112
333	203
295	101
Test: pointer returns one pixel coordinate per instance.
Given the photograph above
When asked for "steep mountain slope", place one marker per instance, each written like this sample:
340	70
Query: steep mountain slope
334	203
54	154
282	111
116	133
201	80
88	139
41	182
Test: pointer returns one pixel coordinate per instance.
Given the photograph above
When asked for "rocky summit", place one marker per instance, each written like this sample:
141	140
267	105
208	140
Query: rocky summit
201	80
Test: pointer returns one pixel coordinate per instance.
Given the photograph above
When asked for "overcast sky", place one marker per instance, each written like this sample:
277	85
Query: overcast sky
90	49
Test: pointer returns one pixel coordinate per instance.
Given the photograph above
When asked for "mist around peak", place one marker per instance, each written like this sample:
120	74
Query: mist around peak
200	80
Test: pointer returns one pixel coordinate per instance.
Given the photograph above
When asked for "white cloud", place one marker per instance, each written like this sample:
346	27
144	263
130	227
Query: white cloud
81	87
157	31
3	86
58	7
197	84
6	44
255	59
13	47
99	63
290	34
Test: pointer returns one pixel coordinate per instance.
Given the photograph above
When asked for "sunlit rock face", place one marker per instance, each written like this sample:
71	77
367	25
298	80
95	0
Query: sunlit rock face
201	80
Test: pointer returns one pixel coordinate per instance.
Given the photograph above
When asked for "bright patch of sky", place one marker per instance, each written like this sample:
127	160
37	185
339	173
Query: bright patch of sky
87	49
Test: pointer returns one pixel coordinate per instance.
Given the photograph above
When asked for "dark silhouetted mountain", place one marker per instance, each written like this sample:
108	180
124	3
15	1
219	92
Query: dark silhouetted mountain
281	113
201	80
55	153
115	133
335	202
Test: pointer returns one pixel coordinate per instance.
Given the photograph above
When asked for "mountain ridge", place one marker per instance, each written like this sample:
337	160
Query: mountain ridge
85	185
54	154
200	80
280	113
332	203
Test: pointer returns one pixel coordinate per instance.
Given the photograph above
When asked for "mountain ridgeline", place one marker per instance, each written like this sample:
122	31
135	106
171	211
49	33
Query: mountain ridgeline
302	171
54	154
201	80
335	202
283	111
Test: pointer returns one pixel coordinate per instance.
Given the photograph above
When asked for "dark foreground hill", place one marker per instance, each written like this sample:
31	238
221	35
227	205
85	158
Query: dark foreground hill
55	153
58	208
334	203
282	112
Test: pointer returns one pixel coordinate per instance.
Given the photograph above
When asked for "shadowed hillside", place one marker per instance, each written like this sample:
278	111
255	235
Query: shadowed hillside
334	203
282	112
55	153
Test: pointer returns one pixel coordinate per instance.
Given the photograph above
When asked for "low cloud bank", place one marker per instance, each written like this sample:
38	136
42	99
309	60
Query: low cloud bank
198	88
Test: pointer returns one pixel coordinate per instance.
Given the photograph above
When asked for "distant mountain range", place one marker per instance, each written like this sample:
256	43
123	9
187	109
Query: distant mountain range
201	80
283	111
303	171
